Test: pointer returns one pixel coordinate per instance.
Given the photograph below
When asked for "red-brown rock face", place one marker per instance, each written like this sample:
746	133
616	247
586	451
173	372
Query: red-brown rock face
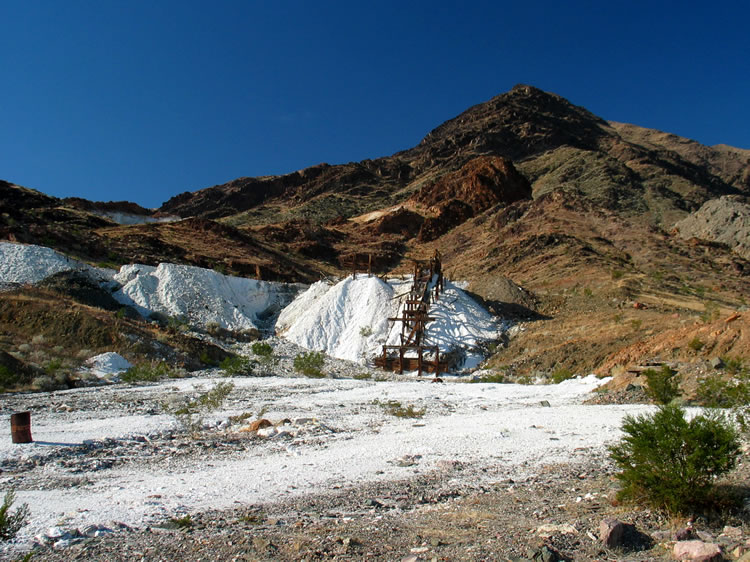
480	183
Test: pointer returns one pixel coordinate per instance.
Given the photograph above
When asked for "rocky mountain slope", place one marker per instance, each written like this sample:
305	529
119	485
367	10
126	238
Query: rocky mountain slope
554	215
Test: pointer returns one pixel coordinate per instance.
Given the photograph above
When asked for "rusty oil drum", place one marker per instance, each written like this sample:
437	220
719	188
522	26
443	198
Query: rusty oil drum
20	427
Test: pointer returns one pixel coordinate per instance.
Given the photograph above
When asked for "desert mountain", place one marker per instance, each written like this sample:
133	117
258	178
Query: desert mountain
552	214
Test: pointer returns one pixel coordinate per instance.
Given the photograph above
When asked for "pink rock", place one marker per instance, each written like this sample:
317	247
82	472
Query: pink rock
697	551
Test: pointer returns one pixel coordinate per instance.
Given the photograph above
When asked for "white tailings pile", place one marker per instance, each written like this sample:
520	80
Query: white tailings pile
107	365
21	263
198	296
349	320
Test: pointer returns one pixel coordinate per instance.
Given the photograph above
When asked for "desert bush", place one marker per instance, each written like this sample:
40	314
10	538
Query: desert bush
11	523
213	329
8	379
262	349
711	312
365	331
696	344
662	386
670	462
310	364
53	366
561	375
490	378
236	366
394	408
733	365
147	372
183	523
206	359
190	413
715	392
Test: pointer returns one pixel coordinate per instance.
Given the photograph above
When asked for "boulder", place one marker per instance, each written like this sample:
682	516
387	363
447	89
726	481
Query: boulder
697	551
611	532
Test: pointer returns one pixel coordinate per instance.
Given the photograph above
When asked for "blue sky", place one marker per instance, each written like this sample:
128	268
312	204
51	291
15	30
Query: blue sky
136	100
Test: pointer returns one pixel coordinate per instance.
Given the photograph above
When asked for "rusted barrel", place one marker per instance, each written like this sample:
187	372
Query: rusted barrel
20	427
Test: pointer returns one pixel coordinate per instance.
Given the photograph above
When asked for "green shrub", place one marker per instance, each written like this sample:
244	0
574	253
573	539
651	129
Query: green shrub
715	392
11	523
733	365
262	349
362	376
696	344
53	366
184	523
394	408
310	364
8	379
236	366
561	375
365	331
147	372
670	462
662	386
710	313
207	360
490	378
190	414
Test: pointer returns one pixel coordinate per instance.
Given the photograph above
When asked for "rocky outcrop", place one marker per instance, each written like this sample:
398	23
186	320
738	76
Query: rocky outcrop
725	220
481	183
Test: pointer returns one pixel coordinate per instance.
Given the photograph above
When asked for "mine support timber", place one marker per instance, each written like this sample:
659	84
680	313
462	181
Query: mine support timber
428	280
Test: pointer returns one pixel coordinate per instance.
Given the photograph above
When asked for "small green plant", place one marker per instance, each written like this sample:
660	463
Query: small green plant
716	392
206	359
711	312
7	378
147	372
394	408
662	386
190	414
241	417
365	331
262	349
53	366
11	523
561	375
489	378
310	364
696	344
587	292
617	274
670	462
636	323
183	523
733	365
236	365
362	376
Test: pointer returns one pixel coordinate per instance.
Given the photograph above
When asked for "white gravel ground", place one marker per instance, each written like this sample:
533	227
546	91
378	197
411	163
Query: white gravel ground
355	441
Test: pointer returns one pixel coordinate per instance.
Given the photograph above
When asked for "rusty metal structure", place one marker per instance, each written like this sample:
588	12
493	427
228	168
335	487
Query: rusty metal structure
414	352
